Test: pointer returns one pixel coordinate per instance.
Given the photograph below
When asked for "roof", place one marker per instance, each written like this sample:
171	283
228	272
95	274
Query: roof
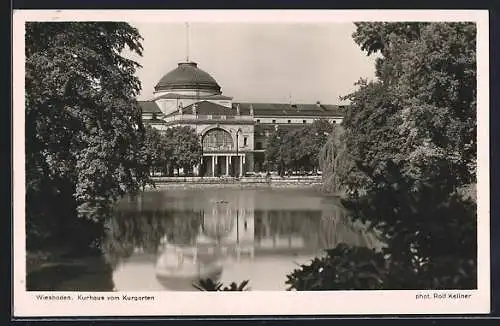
206	108
260	109
149	107
182	96
298	110
218	97
187	75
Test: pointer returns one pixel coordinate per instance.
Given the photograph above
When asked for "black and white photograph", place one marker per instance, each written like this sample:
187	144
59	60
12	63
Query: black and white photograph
172	156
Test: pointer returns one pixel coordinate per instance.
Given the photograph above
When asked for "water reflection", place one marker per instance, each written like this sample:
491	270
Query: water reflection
193	235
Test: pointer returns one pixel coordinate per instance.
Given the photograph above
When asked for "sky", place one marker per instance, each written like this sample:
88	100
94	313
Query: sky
259	62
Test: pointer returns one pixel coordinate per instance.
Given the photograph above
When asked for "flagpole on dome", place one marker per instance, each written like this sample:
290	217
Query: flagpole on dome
187	42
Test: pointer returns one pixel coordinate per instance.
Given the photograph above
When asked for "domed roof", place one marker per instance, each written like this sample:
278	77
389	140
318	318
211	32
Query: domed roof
187	76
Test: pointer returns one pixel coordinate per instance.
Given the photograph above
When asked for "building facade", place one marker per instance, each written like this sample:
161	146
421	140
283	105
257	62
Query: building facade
233	134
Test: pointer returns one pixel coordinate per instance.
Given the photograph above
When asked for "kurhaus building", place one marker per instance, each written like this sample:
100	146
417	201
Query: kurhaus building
233	134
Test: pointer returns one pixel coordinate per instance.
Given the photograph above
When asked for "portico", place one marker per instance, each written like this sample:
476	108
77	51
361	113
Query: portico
223	164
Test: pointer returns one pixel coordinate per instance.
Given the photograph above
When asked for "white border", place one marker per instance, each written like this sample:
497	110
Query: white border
255	303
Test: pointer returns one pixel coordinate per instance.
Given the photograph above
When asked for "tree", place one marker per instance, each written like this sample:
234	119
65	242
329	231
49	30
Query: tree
273	153
381	37
343	268
298	148
155	149
291	150
83	125
313	140
335	162
410	140
417	149
185	147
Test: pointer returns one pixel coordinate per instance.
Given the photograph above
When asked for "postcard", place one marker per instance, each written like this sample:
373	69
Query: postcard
264	162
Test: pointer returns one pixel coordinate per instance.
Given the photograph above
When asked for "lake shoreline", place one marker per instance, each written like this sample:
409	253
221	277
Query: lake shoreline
237	184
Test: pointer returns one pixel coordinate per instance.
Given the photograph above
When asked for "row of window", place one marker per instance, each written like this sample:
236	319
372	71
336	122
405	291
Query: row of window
274	121
289	121
154	117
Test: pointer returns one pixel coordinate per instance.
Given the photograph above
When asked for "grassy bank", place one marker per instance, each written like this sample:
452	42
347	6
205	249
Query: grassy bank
63	270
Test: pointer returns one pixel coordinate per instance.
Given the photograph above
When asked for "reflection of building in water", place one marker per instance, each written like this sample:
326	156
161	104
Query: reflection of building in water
228	227
243	228
242	211
232	226
218	222
261	229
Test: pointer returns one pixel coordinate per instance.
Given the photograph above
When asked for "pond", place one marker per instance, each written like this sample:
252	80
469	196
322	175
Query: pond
166	240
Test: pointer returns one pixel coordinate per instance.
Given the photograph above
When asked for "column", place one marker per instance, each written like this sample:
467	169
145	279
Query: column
213	166
227	165
240	172
251	162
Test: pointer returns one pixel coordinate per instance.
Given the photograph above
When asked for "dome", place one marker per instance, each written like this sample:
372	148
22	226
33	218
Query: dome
187	76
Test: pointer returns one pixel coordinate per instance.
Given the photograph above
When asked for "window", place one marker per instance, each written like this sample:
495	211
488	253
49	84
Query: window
245	141
334	122
274	120
289	121
258	120
304	121
217	139
258	145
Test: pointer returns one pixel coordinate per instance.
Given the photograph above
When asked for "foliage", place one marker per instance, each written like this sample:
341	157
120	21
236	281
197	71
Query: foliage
426	117
211	285
343	268
381	37
313	138
273	153
83	126
376	37
298	148
184	147
410	141
155	149
177	147
335	162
